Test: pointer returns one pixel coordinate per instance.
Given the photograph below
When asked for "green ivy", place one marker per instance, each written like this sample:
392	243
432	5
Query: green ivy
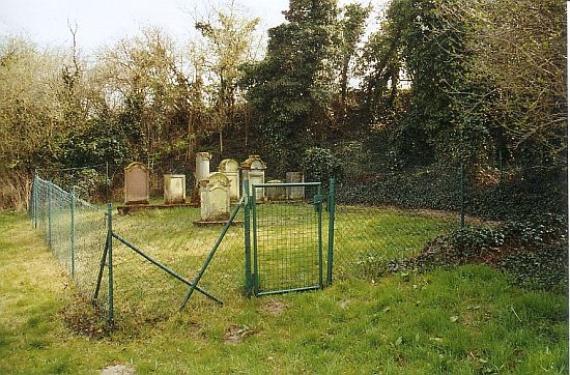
534	254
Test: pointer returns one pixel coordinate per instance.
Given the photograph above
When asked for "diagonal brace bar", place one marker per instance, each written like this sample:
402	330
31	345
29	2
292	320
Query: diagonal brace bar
101	267
212	253
166	269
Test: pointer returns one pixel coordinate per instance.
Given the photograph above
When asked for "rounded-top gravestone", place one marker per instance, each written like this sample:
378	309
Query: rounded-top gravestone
230	168
254	170
215	198
136	184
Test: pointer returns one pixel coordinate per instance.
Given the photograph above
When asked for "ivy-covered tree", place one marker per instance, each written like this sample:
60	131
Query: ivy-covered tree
292	87
416	40
352	25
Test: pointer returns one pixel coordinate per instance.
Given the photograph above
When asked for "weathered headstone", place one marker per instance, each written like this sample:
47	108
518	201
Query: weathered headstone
254	170
136	184
297	192
202	166
276	193
230	168
174	188
215	198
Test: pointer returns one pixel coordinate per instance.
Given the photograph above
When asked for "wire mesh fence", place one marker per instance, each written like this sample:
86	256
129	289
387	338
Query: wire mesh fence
290	236
73	229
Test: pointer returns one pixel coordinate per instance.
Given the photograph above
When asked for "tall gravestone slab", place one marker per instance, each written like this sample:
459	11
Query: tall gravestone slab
174	188
297	192
137	189
215	198
276	193
202	166
254	170
230	168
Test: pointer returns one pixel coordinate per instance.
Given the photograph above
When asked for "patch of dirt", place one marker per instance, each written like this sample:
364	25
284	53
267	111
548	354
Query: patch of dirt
85	319
236	334
118	370
274	307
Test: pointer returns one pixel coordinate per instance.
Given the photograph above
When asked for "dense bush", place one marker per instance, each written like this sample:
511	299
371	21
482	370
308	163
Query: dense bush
438	186
319	164
534	254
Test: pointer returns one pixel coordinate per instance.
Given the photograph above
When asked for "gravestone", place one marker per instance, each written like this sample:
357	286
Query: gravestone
230	168
136	183
276	193
202	166
174	188
254	170
297	192
215	198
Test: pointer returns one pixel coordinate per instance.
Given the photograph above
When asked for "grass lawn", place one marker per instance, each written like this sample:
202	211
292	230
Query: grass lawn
467	320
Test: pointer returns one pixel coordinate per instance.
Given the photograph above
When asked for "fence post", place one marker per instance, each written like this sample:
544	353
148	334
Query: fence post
462	187
247	238
319	207
34	203
331	208
49	215
107	182
111	317
255	275
72	196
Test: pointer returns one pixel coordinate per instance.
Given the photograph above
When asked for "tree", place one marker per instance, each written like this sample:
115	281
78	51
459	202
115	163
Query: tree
291	89
352	27
30	115
229	44
145	76
415	39
514	86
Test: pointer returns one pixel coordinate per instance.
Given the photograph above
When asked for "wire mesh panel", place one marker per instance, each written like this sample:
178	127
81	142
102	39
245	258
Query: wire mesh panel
74	230
287	238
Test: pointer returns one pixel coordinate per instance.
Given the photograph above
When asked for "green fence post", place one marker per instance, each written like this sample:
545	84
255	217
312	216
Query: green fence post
255	279
49	216
36	201
72	232
110	260
319	206
331	207
247	238
33	201
462	187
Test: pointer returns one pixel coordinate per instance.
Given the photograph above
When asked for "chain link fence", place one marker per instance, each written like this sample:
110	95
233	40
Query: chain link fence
74	230
378	218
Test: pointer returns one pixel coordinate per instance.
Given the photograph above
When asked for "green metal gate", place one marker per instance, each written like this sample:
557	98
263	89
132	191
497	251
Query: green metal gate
287	237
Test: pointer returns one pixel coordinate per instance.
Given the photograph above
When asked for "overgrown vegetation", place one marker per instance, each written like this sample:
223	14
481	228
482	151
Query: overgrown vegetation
535	254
